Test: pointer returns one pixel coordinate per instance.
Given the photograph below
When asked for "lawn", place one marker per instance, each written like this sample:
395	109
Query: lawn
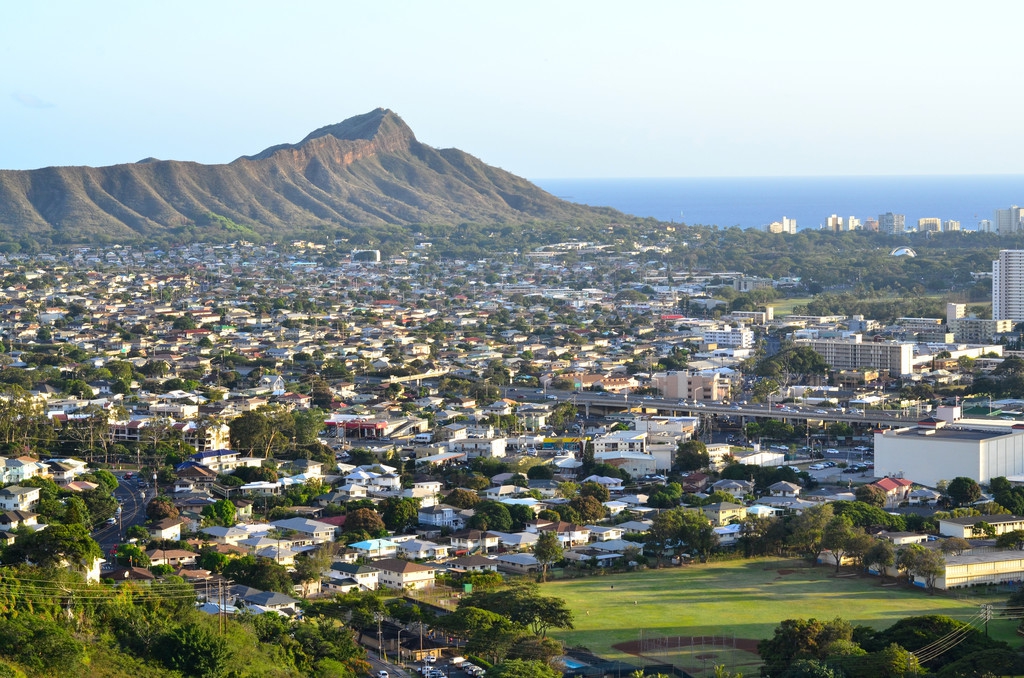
742	599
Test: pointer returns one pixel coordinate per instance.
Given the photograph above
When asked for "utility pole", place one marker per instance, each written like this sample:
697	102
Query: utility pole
986	611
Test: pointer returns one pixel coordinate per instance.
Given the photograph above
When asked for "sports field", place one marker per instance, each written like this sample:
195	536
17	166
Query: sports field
735	601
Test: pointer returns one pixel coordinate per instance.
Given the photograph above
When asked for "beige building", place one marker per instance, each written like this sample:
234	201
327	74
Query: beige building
403	575
853	353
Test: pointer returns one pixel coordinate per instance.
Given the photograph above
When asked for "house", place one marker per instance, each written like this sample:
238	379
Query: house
897	490
418	549
224	535
517	563
613	485
270	601
737	488
923	495
501	491
366	577
12	520
403	575
172	557
474	540
784	489
472	563
308	531
569	535
17	498
168	528
375	548
724	513
441	515
600	533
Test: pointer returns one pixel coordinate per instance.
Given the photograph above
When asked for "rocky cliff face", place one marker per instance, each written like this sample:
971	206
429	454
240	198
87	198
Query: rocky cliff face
368	170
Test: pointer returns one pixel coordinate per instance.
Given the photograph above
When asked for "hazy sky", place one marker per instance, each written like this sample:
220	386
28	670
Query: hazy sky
543	89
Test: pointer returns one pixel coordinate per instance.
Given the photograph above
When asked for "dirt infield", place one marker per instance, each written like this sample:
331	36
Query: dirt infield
638	647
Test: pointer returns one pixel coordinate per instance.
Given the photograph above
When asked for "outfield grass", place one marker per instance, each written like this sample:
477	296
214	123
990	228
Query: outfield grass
741	598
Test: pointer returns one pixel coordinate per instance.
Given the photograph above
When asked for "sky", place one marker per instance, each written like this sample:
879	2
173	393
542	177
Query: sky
543	89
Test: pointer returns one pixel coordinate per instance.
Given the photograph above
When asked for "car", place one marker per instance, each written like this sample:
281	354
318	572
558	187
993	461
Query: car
430	659
383	674
821	411
551	397
111	520
831	450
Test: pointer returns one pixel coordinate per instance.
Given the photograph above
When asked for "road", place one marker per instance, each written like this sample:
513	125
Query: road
611	401
133	512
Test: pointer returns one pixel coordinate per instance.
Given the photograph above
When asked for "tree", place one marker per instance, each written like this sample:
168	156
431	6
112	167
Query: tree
795	639
462	499
836	537
522	668
590	510
547	551
55	546
595	490
160	508
221	512
920	562
259	573
195	650
809	527
872	495
491	515
522	604
955	546
691	456
399	512
963	490
881	555
364	520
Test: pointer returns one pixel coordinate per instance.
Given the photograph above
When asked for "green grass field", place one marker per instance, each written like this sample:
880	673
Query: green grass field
744	599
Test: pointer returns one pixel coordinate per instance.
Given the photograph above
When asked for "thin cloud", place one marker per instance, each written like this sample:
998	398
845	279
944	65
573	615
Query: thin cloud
31	101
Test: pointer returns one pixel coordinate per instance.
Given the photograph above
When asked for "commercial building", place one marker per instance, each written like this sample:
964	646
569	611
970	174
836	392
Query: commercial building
852	353
707	386
937	450
1008	285
933	224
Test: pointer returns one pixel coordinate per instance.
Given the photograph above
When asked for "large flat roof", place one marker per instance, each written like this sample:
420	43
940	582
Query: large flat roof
949	433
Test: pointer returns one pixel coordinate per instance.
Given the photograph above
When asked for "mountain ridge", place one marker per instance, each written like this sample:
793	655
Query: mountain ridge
368	170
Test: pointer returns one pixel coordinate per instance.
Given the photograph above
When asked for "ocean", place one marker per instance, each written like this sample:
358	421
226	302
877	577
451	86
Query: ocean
751	202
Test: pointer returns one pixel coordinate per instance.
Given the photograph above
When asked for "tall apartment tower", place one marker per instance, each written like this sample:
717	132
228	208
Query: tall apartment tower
890	223
1007	222
933	224
835	223
853	224
1008	286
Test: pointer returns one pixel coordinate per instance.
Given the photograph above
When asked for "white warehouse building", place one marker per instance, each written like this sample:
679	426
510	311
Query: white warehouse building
937	450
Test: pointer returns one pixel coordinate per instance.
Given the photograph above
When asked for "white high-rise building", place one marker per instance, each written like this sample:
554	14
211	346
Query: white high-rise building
835	223
1007	222
890	223
853	223
1008	286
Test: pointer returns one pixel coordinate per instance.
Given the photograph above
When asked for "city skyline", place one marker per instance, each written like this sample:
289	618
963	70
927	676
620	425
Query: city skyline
573	90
